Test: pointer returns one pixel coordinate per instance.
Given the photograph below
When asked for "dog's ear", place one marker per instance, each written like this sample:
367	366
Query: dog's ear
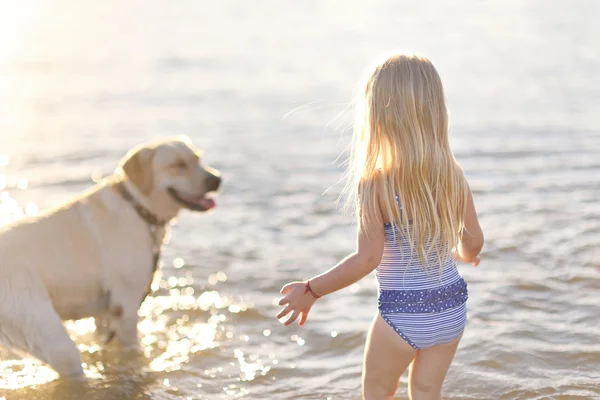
185	139
137	166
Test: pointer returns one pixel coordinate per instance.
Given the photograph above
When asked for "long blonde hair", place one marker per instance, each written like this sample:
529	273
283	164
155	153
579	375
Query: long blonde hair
401	148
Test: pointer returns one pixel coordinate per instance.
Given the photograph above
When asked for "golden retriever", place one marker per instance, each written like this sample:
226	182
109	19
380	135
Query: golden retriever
95	255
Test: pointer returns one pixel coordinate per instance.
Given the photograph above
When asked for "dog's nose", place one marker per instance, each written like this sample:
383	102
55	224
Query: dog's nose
213	182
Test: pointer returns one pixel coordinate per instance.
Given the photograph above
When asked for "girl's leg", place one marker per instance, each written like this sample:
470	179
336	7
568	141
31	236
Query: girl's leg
429	369
387	356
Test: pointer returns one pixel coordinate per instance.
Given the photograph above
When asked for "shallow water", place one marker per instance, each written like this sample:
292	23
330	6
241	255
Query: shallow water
263	87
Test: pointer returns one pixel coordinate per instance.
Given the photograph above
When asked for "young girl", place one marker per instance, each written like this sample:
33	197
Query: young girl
415	219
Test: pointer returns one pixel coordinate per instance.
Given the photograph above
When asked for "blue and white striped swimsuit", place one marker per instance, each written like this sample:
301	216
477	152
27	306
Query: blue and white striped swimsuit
422	308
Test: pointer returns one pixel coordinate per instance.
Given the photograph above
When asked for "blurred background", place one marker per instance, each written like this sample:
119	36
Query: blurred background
264	87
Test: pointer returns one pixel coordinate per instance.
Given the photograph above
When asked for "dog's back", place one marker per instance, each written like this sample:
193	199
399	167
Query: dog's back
70	251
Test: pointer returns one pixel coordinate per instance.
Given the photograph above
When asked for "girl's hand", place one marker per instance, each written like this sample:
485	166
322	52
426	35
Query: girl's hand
299	302
475	261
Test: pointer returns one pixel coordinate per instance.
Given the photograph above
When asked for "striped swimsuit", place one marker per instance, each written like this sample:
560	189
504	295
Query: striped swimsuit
422	308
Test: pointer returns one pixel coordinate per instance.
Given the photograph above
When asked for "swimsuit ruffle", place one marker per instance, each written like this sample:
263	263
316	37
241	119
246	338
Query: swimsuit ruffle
423	301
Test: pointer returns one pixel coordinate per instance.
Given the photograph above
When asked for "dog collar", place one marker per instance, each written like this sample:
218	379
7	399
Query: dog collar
143	212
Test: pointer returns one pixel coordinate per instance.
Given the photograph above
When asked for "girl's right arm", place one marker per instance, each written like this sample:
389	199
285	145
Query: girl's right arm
471	238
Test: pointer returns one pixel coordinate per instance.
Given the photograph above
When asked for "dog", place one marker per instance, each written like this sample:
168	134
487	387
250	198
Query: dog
95	255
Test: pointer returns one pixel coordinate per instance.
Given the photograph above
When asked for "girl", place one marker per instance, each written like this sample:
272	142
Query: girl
415	219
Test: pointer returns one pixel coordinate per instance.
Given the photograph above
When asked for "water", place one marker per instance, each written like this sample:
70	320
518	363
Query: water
263	86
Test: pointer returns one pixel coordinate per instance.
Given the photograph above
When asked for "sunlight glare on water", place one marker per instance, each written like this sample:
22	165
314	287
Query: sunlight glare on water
15	374
83	82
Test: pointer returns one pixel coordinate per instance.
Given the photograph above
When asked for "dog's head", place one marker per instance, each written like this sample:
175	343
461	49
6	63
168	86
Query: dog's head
172	170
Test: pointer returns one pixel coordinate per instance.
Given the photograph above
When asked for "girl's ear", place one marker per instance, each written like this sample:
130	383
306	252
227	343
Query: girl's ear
137	166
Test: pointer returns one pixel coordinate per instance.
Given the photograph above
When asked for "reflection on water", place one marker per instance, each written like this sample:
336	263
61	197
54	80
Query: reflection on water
10	210
264	101
15	374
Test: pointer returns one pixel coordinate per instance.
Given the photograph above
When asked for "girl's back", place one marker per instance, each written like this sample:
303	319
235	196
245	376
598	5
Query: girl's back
402	269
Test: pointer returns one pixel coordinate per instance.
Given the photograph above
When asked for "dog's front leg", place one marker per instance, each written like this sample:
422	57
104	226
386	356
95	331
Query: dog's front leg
127	331
105	327
124	312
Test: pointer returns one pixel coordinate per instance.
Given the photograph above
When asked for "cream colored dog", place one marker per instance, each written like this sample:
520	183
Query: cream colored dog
95	255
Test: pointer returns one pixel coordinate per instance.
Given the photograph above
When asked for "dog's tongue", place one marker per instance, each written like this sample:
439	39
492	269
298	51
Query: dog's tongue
207	203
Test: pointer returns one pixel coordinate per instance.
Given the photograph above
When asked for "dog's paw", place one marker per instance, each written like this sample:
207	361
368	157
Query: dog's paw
131	347
108	337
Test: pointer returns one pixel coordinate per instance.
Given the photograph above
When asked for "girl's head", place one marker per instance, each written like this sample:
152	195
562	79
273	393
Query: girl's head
401	148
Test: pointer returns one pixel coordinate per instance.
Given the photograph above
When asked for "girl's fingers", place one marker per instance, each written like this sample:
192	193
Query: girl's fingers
284	312
303	317
476	262
291	319
286	289
283	301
